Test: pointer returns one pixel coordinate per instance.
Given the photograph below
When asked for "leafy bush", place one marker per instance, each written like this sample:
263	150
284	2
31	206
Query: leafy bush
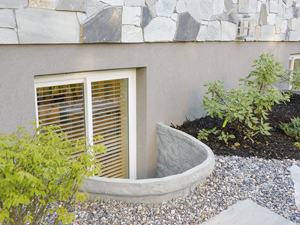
247	107
292	129
37	171
203	134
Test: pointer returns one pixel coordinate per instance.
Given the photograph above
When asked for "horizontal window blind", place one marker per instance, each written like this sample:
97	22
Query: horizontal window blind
110	120
89	106
63	105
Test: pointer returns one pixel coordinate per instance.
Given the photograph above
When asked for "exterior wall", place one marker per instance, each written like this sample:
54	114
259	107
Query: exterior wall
135	21
170	79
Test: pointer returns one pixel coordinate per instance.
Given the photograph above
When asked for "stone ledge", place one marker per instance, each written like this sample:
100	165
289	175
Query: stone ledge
154	190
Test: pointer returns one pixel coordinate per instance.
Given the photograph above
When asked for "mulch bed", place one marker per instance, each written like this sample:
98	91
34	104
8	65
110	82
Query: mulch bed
276	146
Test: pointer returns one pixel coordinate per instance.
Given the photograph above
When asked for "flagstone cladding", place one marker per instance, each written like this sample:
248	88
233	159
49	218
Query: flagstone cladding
136	21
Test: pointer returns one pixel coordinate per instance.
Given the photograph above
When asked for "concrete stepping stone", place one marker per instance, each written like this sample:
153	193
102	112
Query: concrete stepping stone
248	213
295	173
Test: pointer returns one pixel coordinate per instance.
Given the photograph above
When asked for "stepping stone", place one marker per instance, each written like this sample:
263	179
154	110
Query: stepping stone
248	213
295	173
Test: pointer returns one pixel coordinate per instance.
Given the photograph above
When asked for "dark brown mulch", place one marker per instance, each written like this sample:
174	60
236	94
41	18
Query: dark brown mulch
276	146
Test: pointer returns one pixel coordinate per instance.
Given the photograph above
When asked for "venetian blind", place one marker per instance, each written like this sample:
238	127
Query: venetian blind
63	105
110	120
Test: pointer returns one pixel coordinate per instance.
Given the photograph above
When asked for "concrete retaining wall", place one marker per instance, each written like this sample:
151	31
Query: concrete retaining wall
161	189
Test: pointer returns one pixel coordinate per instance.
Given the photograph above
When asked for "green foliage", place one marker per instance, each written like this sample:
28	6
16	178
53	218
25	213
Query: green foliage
247	107
292	129
37	170
225	137
292	77
203	134
297	144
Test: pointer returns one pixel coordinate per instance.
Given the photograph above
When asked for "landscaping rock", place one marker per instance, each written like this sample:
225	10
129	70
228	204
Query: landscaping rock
105	26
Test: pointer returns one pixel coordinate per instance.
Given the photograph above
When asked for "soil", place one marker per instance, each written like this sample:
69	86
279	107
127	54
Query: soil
275	146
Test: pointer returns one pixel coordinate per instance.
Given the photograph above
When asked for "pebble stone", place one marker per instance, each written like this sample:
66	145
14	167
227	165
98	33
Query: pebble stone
266	182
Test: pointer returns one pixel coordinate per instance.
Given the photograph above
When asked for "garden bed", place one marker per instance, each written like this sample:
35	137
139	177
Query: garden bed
277	145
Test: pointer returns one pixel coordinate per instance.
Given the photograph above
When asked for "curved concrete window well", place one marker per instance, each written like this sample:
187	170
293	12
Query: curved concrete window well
183	162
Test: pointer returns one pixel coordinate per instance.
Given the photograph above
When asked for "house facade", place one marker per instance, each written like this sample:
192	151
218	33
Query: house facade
116	68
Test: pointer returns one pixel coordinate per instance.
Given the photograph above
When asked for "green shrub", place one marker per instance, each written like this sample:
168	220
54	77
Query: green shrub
247	107
292	129
37	171
203	134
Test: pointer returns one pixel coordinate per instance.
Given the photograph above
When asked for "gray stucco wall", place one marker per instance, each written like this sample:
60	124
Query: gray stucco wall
170	78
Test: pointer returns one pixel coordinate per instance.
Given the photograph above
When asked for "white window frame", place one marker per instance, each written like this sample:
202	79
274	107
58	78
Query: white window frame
292	58
87	78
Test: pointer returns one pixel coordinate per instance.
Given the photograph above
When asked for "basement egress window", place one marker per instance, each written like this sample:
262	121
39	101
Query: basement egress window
294	64
91	104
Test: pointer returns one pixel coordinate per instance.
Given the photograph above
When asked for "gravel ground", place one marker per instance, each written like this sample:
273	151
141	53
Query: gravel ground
266	182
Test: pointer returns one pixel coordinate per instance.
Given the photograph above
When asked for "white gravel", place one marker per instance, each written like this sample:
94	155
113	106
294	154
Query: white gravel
266	182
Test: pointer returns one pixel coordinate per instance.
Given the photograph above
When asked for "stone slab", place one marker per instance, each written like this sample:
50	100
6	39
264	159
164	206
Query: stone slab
267	33
74	5
232	17
248	213
44	4
263	15
131	15
228	31
181	6
7	18
146	16
105	26
132	34
8	36
213	31
134	2
47	26
187	28
93	7
202	33
200	10
165	7
152	7
113	2
218	7
160	29
13	4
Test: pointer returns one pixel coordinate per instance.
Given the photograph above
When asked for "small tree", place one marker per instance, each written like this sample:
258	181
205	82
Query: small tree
38	171
247	107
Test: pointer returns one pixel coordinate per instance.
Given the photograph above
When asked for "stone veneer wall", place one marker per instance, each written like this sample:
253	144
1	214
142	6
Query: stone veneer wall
134	21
